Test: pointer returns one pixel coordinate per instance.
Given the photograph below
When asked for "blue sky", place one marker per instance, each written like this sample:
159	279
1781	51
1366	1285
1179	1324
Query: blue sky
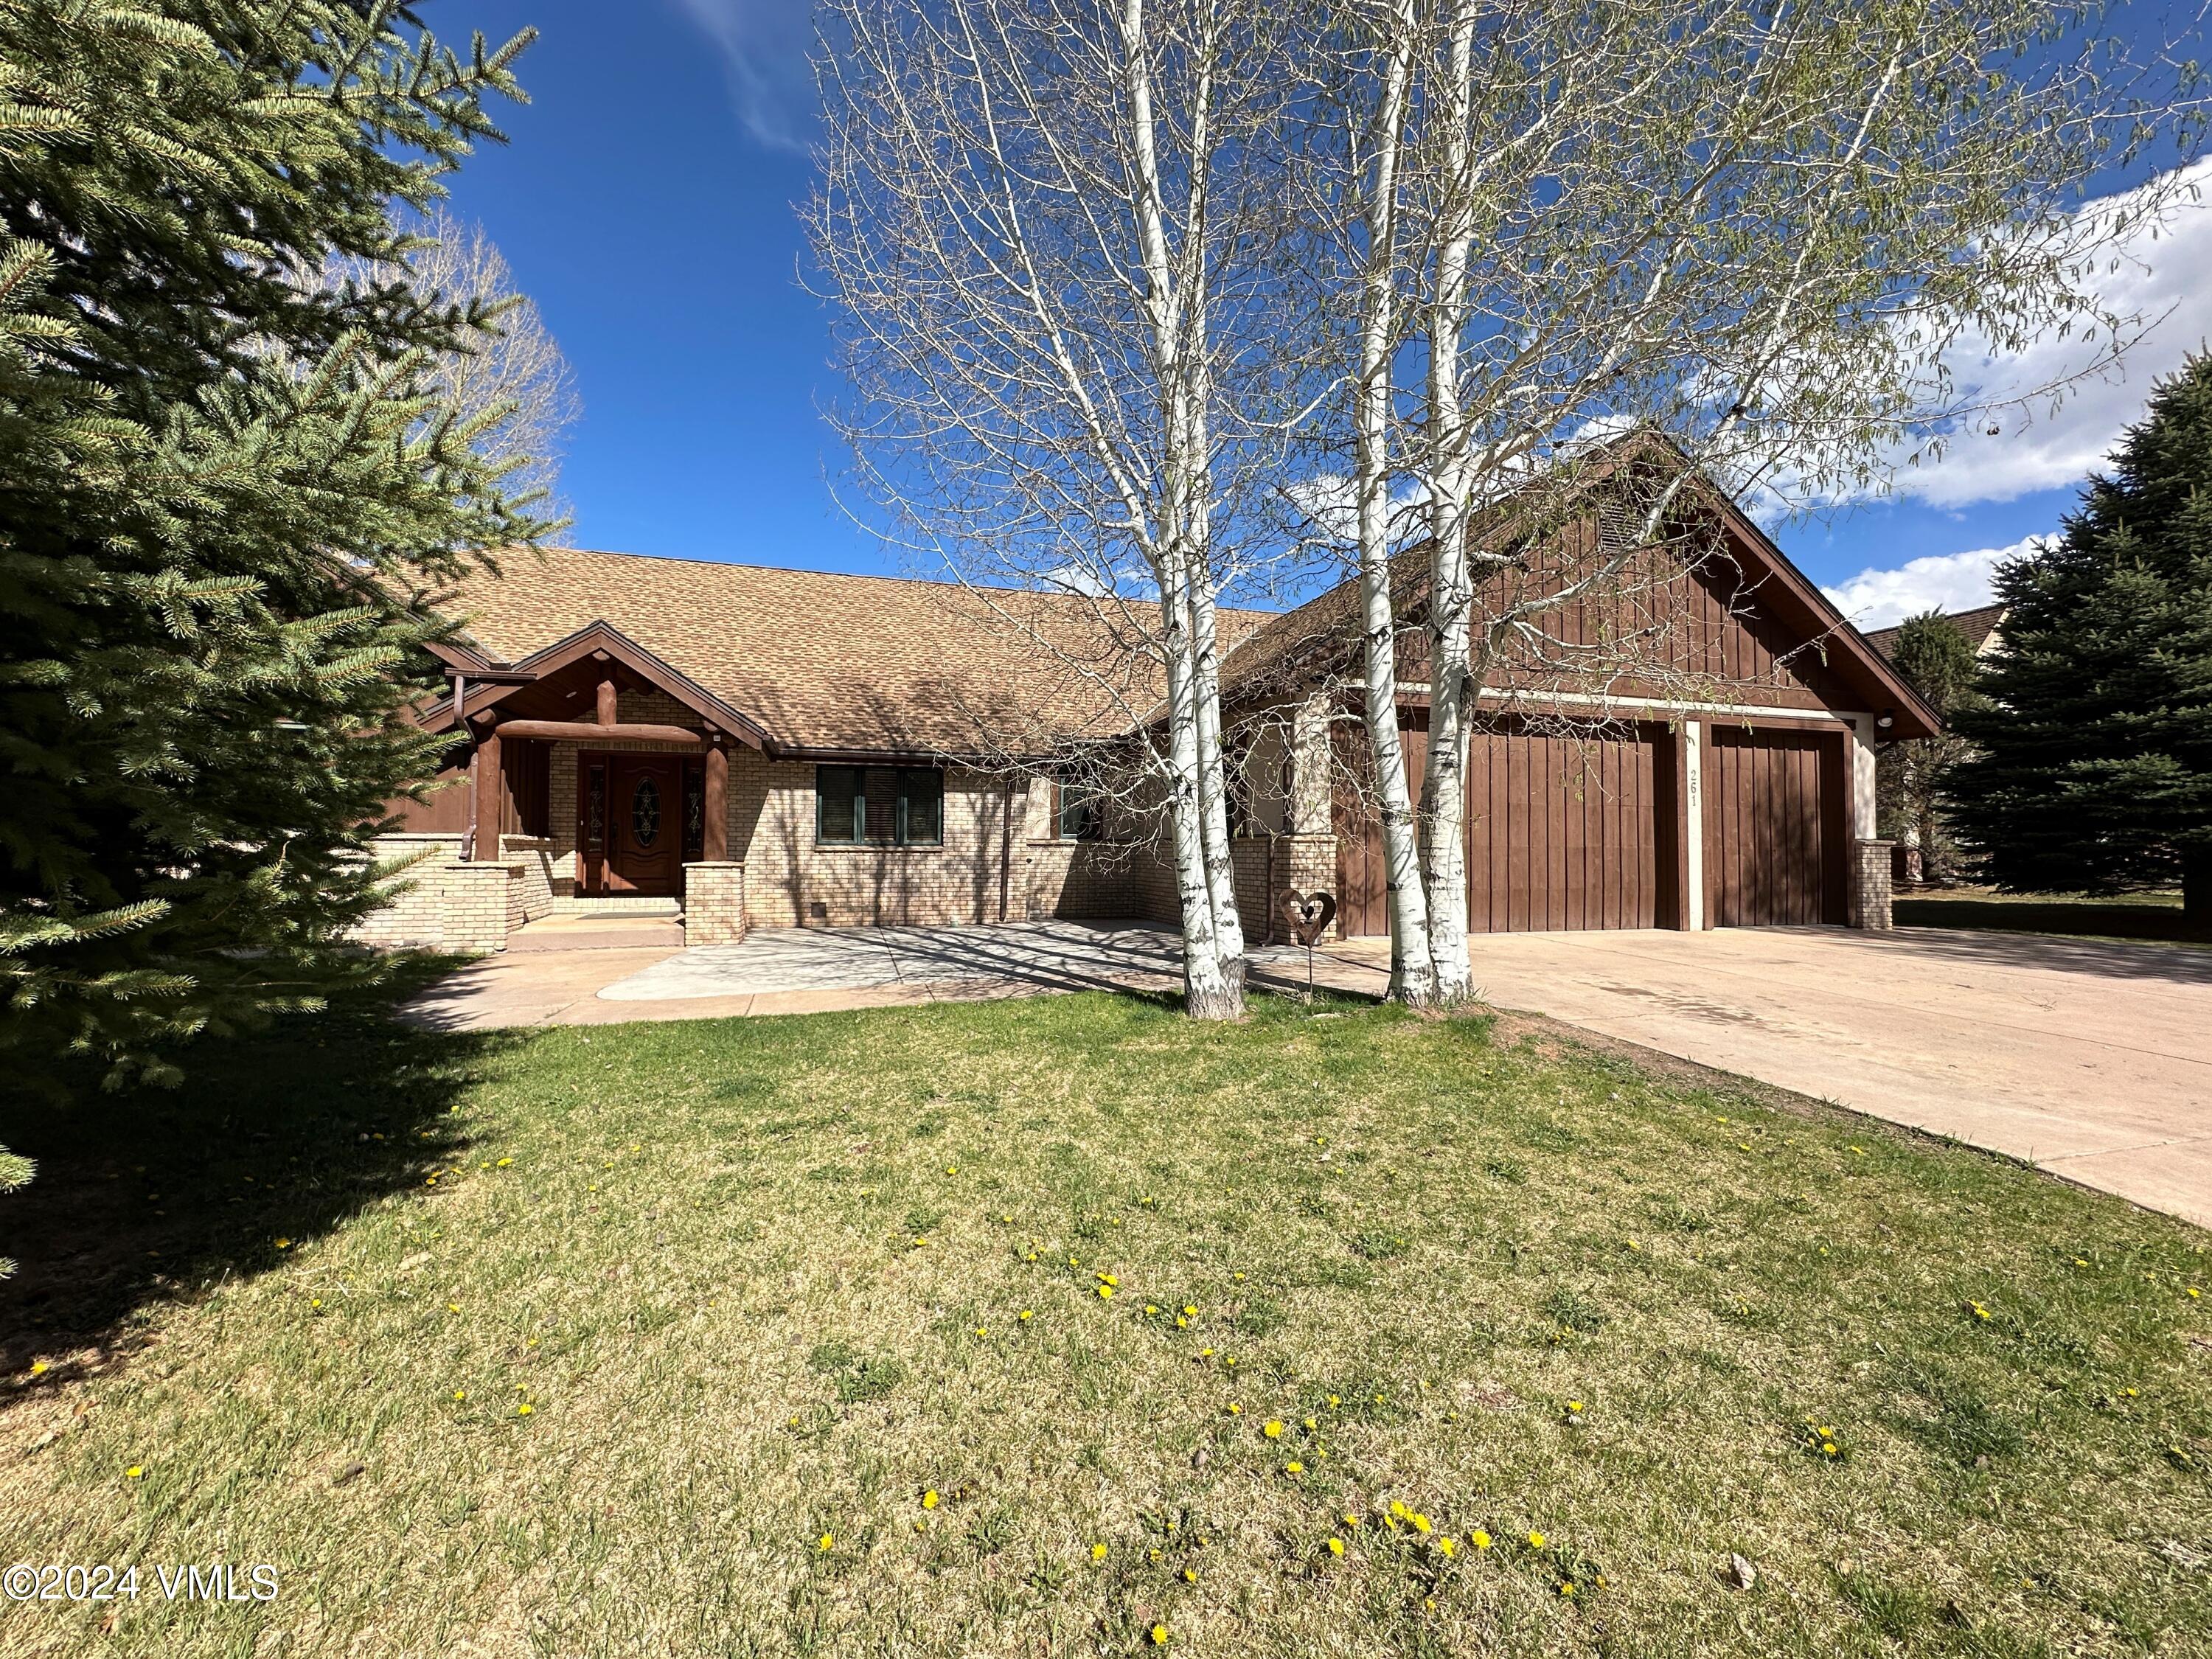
645	204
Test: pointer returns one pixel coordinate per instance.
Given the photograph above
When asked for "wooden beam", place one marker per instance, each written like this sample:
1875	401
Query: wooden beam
609	714
586	731
491	795
716	847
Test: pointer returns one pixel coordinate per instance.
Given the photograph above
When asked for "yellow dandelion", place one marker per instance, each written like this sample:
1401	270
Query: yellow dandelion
1567	1588
1025	1314
1273	1429
1574	1405
460	1393
1479	1539
452	1307
503	1163
1448	1546
929	1498
284	1243
1190	1575
827	1541
37	1366
1398	1507
1312	1427
1235	1410
952	1169
1294	1469
1333	1402
135	1471
1421	1524
1353	1521
1336	1547
1098	1552
1106	1293
983	1330
1536	1540
1159	1636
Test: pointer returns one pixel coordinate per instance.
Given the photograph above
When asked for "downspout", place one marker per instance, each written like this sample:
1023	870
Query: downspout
1006	850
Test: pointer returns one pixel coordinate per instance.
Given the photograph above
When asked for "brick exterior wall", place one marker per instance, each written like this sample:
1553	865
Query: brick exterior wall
1870	885
444	905
987	869
535	854
714	903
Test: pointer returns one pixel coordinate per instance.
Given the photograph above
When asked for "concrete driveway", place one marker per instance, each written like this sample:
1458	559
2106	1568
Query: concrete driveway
2092	1059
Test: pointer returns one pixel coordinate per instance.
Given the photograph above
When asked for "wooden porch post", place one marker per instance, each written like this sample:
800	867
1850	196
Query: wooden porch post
715	846
491	795
607	704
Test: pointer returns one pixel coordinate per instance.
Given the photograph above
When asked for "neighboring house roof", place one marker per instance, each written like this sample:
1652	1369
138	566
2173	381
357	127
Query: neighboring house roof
822	663
1979	625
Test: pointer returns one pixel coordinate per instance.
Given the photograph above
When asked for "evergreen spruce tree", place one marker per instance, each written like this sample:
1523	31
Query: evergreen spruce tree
2095	767
1936	660
227	500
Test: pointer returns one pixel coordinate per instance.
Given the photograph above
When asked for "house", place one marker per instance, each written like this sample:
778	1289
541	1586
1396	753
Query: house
1922	849
772	748
1983	627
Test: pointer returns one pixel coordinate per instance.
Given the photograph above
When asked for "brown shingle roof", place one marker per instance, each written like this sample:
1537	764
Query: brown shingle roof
1977	625
828	662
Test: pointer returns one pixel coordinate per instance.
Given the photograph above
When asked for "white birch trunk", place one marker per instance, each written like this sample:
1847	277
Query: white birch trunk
1451	684
1213	943
1412	976
1213	989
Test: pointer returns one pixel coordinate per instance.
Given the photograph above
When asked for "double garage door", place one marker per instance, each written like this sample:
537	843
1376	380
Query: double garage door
1567	834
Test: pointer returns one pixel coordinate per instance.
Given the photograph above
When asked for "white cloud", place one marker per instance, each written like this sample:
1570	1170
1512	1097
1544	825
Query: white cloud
2042	447
765	43
1946	581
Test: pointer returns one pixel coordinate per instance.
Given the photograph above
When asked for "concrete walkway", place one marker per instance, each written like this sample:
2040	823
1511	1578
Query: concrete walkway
2091	1059
589	977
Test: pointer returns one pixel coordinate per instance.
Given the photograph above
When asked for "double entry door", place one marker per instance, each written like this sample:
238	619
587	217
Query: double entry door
639	818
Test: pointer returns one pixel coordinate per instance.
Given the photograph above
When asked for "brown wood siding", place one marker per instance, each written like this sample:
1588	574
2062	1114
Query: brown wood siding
1562	834
1715	626
1774	827
528	807
444	813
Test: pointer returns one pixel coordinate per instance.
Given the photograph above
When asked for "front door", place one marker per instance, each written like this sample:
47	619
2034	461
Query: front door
644	824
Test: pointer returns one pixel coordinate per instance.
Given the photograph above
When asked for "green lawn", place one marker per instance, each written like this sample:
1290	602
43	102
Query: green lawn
2130	916
793	1335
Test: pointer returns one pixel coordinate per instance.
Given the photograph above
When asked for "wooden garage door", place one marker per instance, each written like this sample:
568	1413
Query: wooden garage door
1563	833
1774	850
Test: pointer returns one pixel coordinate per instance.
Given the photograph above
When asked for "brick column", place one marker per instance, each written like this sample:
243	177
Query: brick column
713	903
480	903
1870	885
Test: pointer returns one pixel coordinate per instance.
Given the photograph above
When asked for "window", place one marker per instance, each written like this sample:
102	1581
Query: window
878	806
1075	812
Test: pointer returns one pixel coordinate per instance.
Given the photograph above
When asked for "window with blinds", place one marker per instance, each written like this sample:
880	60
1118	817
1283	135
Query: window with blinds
878	806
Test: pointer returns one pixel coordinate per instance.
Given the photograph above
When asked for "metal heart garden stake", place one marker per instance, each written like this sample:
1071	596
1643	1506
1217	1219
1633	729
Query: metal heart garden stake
1308	915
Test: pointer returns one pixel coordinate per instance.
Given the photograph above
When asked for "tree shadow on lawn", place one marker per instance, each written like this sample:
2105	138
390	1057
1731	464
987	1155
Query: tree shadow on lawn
2161	923
155	1195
